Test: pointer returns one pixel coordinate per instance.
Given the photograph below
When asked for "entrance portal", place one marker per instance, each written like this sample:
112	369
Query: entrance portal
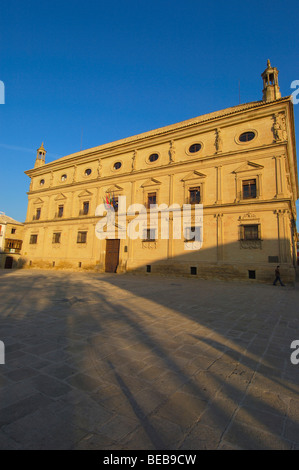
8	262
112	255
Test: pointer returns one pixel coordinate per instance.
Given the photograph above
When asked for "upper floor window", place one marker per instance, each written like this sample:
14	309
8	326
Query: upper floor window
85	209
87	172
153	157
42	182
37	214
194	195
194	148
13	246
13	230
64	177
151	199
246	136
117	166
60	211
249	189
33	239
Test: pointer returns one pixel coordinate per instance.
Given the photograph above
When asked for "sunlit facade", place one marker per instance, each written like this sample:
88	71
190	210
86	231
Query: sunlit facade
239	163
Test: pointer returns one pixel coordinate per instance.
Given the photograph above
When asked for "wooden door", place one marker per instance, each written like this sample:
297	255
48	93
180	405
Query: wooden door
8	262
112	256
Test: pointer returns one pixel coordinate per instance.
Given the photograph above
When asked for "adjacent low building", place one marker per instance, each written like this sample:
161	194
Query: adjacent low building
239	163
11	239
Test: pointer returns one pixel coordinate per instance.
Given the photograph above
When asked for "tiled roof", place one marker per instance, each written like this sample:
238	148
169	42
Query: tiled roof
5	219
176	126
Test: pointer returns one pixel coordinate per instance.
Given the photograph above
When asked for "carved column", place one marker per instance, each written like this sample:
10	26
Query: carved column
280	175
282	236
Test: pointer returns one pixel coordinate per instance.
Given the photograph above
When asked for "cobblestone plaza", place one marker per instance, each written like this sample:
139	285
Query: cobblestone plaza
103	361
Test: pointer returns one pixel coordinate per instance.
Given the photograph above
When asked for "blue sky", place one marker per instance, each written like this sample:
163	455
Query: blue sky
105	70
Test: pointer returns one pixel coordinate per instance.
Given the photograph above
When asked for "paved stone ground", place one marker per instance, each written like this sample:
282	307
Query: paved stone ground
98	361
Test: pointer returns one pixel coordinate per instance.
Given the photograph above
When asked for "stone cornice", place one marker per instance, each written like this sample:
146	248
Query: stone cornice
129	144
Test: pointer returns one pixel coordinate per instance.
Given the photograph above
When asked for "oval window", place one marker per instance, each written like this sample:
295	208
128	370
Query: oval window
42	182
194	148
246	136
153	157
64	177
87	172
117	165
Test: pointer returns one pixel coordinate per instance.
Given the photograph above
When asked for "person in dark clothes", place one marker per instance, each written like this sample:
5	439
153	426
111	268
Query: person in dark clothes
277	277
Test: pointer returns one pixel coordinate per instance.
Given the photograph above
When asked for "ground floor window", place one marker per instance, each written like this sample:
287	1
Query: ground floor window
82	237
56	237
250	232
33	239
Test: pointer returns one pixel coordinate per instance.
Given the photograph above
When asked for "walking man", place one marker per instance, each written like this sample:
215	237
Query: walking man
277	277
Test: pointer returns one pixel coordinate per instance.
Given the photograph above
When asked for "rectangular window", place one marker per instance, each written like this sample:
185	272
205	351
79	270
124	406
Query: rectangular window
33	239
273	259
13	230
149	235
81	237
250	232
14	246
37	215
151	199
249	189
60	211
191	232
194	195
85	207
56	237
115	203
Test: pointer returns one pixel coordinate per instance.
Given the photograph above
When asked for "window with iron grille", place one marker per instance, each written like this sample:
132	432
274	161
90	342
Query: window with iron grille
250	232
249	189
82	237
